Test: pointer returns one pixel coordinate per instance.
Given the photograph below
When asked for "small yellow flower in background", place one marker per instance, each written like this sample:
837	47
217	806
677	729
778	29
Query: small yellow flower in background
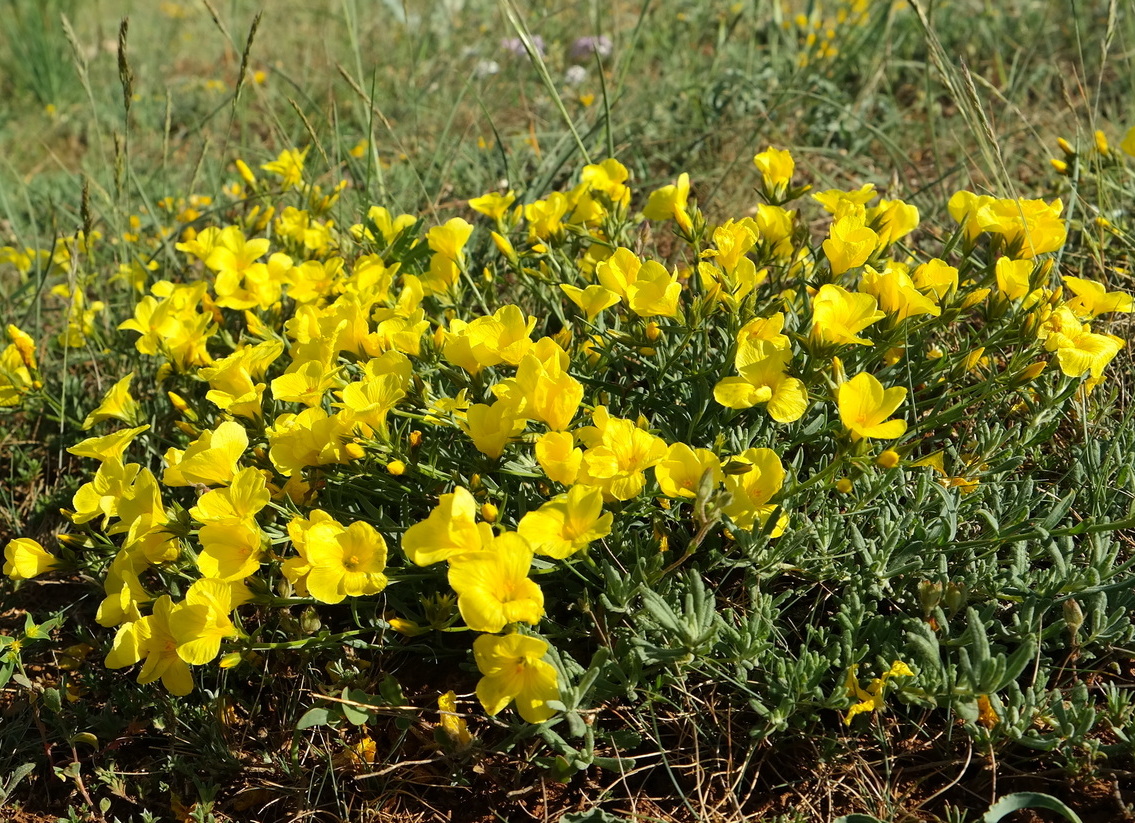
843	485
871	698
359	150
396	468
514	669
986	715
25	558
24	345
1128	142
288	167
864	406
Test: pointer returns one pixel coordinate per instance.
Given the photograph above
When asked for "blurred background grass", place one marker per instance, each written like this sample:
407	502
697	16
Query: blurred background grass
449	107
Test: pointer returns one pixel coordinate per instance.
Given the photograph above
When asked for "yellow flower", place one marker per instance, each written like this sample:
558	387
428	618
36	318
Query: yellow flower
671	202
654	292
210	460
288	167
102	494
892	220
751	491
839	315
617	455
1078	349
451	723
449	240
1093	299
514	669
492	427
450	529
503	337
25	558
1128	142
864	406
493	587
591	300
871	698
936	277
201	622
346	562
566	523
776	167
896	292
230	550
763	365
558	457
850	243
151	638
494	204
238	503
681	470
1014	278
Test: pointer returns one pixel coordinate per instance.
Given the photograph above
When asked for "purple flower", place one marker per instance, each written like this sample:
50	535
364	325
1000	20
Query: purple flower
515	46
584	47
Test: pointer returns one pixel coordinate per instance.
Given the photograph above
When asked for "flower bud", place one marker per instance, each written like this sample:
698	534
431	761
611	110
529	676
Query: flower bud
888	459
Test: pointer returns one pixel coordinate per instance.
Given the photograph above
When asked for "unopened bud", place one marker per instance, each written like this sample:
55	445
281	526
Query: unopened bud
929	596
183	407
1033	371
888	459
1074	617
955	598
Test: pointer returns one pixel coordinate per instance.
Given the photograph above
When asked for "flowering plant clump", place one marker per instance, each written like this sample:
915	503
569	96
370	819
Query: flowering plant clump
573	468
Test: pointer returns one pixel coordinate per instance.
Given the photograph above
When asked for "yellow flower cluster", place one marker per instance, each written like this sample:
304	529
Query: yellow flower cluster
312	353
